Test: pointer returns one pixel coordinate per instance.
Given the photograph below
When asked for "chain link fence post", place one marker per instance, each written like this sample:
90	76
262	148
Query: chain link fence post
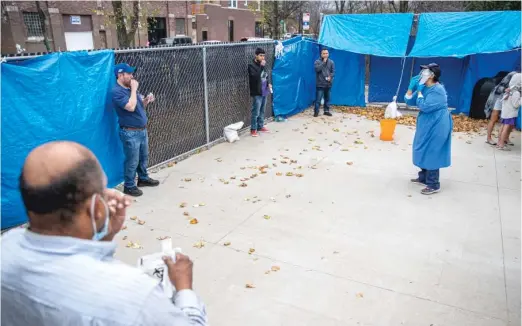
205	87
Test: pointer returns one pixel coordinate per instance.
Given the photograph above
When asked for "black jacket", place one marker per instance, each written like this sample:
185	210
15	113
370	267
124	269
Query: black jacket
323	70
254	77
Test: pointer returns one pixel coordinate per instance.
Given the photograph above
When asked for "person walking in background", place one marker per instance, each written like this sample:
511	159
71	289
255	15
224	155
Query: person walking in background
432	142
61	270
130	108
260	87
509	113
494	107
324	74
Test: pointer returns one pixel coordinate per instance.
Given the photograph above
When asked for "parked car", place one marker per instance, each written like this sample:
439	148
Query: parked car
177	40
255	39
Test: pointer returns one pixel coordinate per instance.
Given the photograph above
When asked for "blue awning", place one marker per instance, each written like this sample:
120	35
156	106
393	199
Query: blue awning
383	35
465	33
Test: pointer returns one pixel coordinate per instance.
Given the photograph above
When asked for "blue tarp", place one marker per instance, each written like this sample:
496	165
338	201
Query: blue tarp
348	83
293	77
61	96
465	33
383	35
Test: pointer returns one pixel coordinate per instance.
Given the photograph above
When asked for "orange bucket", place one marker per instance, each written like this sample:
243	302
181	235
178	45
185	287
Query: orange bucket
387	129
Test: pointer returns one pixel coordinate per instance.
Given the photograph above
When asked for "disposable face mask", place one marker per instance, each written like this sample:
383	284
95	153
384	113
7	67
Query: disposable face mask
98	235
425	75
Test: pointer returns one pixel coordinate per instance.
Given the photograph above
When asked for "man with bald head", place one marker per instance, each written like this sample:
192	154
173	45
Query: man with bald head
61	270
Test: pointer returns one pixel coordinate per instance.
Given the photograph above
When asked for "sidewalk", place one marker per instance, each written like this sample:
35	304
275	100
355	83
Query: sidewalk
342	244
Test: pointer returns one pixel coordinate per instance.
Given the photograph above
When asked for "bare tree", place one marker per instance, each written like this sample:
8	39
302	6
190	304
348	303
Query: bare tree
403	6
127	16
43	23
276	11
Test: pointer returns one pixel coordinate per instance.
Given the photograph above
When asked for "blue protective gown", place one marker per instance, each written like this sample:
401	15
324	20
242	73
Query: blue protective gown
432	142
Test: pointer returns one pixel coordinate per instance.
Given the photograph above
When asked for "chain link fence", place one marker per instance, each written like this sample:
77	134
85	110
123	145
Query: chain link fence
176	76
179	122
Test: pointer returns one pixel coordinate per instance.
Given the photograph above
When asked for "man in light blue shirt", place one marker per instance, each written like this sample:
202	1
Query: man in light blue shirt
61	270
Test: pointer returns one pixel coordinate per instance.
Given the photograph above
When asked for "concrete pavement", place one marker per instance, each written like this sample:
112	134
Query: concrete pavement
354	244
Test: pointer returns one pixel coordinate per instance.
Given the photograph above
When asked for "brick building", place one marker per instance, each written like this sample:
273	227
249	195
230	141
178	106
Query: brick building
78	25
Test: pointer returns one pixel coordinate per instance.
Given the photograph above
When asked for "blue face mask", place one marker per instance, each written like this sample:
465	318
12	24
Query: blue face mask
98	235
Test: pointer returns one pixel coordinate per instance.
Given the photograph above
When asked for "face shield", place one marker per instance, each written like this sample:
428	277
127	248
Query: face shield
425	75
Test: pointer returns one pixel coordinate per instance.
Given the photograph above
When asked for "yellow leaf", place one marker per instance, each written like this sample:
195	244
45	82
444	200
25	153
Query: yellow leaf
182	205
359	295
275	268
171	164
134	218
226	244
251	251
250	286
199	244
194	221
188	179
289	174
266	217
140	222
299	175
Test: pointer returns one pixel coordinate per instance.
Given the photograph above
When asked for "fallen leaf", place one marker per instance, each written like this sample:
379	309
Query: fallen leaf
299	175
134	218
336	252
250	286
202	204
311	139
266	217
199	244
289	174
219	160
182	205
134	245
194	221
251	251
358	142
232	178
226	244
275	268
359	295
313	167
345	150
140	222
243	185
242	168
349	163
284	162
171	164
267	272
163	237
279	174
187	179
124	238
335	129
409	195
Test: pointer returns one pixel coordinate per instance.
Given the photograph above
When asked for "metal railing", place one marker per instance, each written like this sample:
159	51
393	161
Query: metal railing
199	89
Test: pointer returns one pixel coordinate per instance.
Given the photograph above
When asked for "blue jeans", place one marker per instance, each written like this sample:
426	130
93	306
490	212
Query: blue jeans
258	112
322	92
136	151
430	178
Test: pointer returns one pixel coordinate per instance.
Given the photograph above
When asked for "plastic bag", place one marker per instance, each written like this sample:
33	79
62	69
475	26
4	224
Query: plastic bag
392	111
230	131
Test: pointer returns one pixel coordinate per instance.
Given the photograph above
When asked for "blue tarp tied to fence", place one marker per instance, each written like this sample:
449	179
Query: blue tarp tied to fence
384	35
465	33
348	82
293	76
61	96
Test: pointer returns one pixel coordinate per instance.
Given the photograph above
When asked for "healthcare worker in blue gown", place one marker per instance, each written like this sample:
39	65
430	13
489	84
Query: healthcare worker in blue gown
432	142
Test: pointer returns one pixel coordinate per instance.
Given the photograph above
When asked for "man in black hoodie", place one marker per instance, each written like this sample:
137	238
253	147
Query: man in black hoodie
260	86
324	74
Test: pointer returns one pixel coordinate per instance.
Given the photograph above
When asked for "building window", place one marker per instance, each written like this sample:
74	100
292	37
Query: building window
180	26
231	31
33	24
232	3
259	29
204	36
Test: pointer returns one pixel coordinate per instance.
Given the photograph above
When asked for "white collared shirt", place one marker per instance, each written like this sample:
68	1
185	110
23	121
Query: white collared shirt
51	281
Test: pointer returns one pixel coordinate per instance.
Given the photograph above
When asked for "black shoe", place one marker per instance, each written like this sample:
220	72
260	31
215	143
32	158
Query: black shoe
134	192
316	114
328	114
148	183
418	181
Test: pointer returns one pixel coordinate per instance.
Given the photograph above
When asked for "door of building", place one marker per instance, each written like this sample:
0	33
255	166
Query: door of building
78	32
157	29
